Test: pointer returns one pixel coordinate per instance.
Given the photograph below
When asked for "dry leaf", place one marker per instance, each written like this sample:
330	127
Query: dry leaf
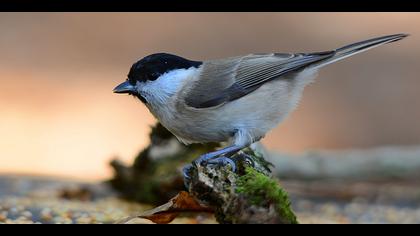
167	212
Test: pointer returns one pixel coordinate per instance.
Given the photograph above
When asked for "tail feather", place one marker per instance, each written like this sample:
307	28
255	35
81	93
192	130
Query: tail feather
359	47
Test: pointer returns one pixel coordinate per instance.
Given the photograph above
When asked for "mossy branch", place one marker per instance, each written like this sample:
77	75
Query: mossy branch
249	195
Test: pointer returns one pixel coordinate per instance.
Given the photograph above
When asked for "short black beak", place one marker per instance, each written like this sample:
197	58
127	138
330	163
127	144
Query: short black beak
125	87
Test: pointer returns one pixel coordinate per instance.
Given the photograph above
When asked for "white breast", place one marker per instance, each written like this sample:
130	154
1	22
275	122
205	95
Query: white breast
160	90
160	95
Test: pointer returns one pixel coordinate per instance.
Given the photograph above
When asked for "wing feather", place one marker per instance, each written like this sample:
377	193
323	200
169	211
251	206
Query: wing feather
225	80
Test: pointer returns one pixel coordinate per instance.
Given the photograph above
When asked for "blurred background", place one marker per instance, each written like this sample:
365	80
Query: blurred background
58	115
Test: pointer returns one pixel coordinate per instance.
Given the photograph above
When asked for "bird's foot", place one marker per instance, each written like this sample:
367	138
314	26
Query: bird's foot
203	159
236	161
223	161
232	159
226	152
210	158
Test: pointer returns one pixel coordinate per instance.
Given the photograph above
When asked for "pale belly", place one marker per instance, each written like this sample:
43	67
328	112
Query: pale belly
254	115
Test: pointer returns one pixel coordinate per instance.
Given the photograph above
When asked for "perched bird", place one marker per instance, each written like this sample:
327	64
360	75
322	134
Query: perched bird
237	99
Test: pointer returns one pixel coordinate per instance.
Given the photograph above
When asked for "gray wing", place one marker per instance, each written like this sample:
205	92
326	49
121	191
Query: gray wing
225	80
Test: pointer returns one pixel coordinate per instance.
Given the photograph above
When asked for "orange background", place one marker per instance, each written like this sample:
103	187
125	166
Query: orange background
58	115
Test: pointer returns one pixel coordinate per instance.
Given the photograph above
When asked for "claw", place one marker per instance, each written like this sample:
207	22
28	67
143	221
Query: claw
223	161
202	159
227	151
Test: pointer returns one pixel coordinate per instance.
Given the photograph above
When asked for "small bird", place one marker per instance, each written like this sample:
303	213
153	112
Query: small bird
237	99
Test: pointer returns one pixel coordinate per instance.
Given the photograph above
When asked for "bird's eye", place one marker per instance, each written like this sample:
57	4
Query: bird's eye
154	75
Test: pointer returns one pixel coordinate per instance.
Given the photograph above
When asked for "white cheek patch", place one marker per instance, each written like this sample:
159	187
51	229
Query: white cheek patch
161	89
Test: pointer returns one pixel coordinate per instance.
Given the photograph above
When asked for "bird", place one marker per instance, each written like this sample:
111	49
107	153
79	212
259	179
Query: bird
236	100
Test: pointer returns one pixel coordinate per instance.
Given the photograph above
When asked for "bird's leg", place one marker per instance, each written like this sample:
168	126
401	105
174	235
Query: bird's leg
211	155
220	156
222	160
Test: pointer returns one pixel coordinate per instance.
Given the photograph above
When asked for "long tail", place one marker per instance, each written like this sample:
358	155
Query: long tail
359	47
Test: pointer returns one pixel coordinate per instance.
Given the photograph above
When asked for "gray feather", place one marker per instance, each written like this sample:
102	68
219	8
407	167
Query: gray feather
225	80
359	47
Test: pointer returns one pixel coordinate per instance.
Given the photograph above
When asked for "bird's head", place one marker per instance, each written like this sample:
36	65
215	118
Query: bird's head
143	79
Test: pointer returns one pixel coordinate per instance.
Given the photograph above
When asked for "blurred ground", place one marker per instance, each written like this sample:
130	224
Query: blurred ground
30	200
41	200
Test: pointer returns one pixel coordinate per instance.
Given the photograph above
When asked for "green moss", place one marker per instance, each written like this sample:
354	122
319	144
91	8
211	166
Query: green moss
261	190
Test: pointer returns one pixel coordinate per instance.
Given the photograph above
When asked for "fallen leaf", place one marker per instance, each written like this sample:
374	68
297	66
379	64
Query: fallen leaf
167	212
